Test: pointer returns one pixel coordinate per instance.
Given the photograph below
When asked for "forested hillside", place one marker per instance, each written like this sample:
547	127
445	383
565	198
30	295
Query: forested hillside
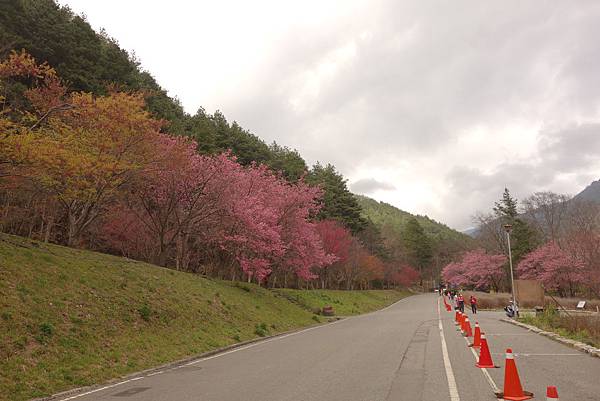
384	214
93	62
419	240
96	155
591	193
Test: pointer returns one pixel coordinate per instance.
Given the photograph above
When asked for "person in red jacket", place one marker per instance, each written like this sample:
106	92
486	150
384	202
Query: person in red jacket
473	302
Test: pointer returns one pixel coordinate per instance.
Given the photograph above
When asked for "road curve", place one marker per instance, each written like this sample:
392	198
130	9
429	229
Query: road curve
392	354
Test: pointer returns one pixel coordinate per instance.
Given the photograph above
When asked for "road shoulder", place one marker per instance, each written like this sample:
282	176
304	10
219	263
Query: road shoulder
585	348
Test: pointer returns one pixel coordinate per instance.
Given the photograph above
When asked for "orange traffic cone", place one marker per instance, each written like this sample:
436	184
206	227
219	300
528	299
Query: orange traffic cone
456	317
460	321
448	308
551	394
468	331
513	390
476	337
485	358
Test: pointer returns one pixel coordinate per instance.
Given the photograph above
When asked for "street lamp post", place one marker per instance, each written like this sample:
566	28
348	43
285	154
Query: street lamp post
508	229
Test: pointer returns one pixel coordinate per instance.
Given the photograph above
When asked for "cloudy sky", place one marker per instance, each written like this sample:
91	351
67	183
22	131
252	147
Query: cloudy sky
432	106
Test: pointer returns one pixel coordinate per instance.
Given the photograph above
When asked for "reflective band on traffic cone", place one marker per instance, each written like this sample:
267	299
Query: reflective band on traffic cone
551	394
468	331
445	303
477	337
513	390
485	358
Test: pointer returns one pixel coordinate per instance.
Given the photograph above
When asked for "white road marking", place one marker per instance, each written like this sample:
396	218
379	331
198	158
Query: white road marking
491	382
155	373
449	372
526	354
230	352
200	360
486	374
103	388
290	334
260	343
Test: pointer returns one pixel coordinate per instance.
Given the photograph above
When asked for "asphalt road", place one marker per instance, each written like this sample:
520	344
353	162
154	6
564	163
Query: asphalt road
393	354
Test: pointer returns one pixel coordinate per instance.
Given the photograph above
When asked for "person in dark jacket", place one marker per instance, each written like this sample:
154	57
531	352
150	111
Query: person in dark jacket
461	302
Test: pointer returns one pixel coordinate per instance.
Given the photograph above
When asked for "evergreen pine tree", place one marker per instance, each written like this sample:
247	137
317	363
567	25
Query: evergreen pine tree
418	245
338	202
506	207
523	237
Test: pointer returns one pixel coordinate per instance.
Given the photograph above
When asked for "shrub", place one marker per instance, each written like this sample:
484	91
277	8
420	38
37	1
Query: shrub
581	328
46	329
45	332
261	329
145	312
243	286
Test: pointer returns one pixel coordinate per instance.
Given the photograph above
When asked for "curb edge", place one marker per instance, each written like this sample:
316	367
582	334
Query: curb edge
585	348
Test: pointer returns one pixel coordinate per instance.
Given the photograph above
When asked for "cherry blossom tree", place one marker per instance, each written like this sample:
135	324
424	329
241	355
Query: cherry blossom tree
96	171
336	241
555	268
78	149
405	276
476	269
180	193
455	273
486	271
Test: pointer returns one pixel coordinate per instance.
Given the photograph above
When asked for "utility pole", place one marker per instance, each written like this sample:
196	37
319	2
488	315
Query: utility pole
508	229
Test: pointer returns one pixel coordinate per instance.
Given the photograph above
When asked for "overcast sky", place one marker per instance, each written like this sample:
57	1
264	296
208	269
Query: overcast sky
432	106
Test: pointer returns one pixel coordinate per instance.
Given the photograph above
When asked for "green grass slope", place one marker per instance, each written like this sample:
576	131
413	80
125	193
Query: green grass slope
70	318
344	303
382	213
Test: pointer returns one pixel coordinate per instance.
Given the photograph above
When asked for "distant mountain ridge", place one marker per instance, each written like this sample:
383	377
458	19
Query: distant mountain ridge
591	193
383	214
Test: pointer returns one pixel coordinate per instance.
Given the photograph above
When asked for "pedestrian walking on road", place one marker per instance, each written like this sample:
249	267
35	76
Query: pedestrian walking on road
473	302
461	302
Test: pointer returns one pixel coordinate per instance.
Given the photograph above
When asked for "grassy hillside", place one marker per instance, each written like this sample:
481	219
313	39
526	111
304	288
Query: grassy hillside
344	303
382	214
70	318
